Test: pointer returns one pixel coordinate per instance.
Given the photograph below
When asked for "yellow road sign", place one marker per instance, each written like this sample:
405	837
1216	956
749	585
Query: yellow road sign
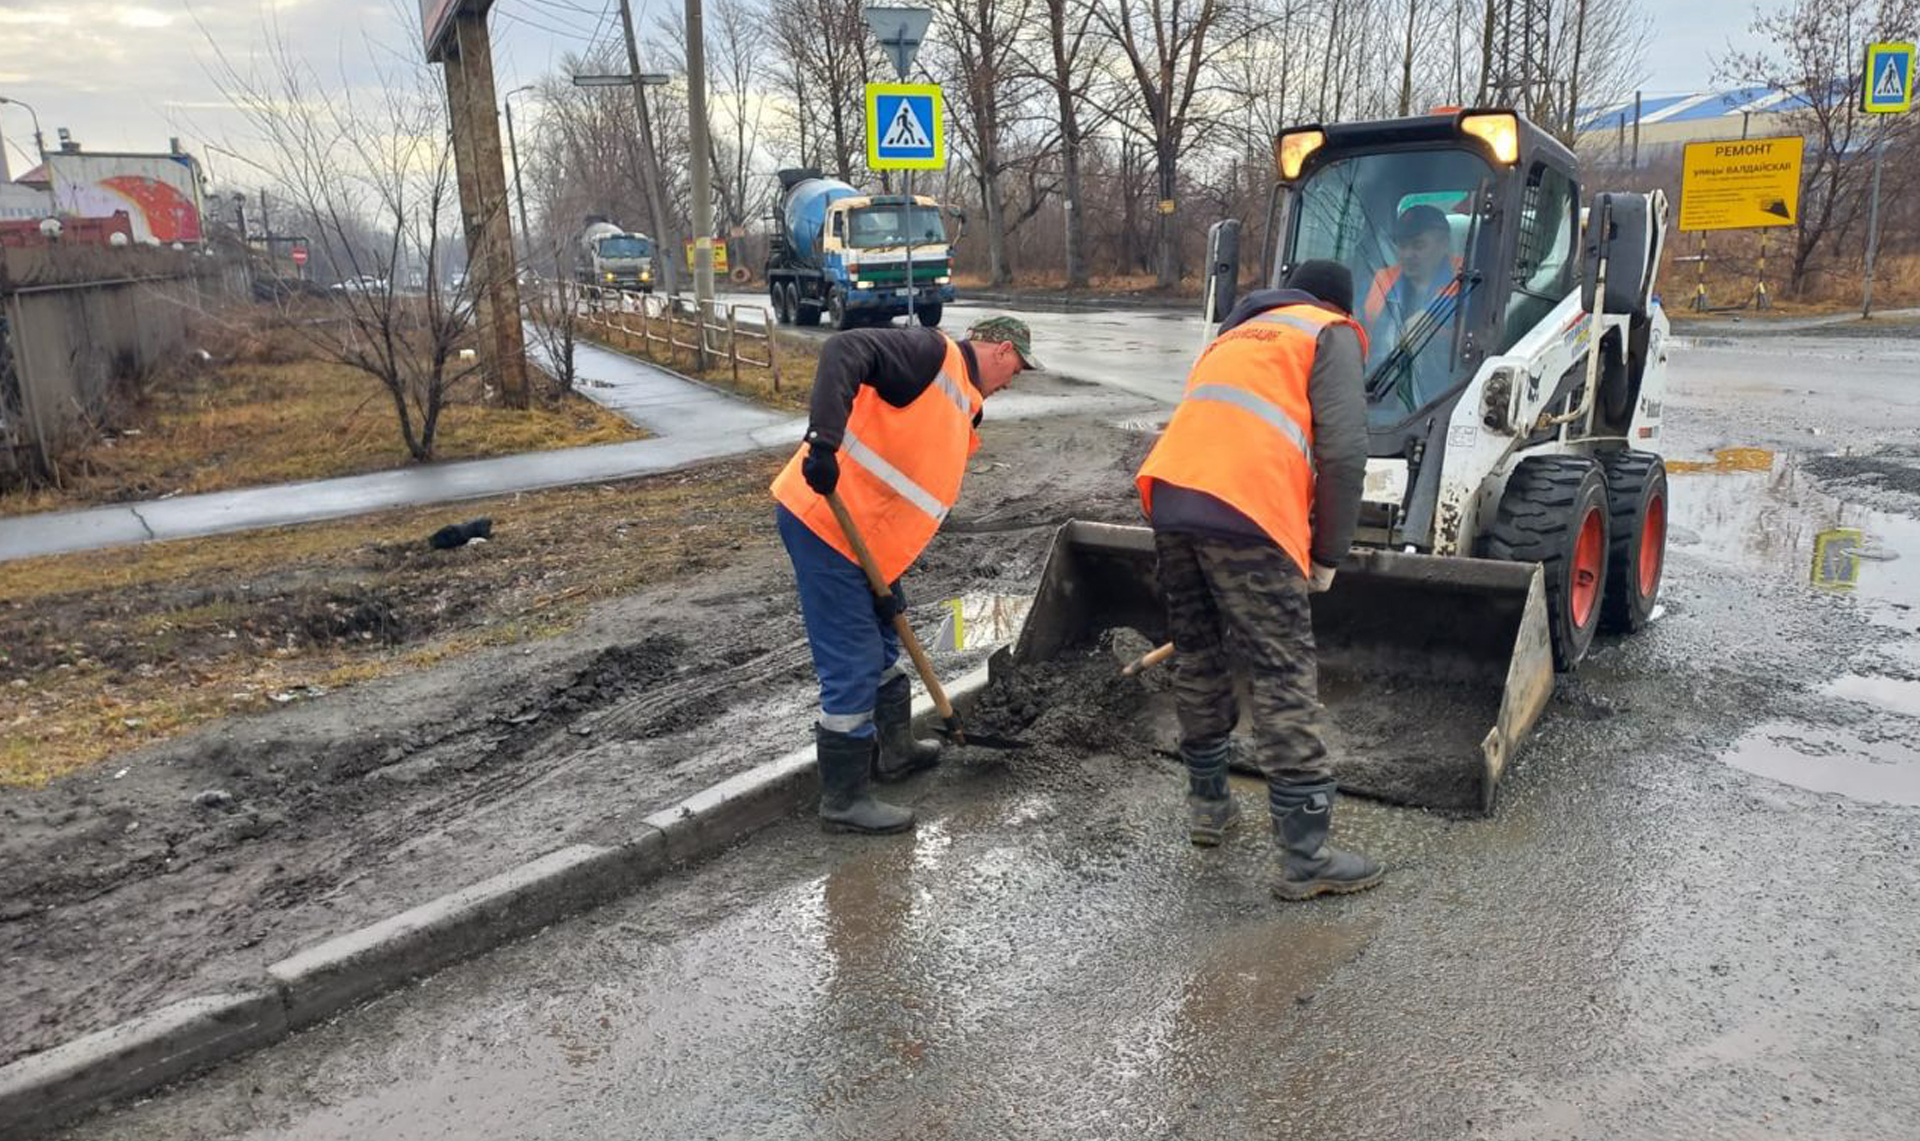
1741	184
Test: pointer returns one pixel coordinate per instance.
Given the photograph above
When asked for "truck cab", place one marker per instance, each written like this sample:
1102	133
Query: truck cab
844	254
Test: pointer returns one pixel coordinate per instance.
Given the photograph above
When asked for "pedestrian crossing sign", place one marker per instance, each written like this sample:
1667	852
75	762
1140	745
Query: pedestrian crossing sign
1889	79
905	127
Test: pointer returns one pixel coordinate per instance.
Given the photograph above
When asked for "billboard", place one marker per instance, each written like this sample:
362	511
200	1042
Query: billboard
160	193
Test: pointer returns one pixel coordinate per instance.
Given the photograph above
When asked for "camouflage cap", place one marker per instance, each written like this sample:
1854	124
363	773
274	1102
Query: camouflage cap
1007	330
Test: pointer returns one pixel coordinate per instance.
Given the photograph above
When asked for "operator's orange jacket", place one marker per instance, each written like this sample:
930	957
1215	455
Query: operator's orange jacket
900	469
1243	432
1383	283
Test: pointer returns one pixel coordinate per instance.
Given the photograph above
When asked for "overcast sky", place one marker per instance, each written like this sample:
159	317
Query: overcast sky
128	76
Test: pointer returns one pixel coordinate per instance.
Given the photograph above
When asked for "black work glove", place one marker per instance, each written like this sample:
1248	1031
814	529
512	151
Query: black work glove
885	608
821	468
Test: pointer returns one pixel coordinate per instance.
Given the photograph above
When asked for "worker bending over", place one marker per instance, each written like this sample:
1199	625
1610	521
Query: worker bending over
1253	492
891	426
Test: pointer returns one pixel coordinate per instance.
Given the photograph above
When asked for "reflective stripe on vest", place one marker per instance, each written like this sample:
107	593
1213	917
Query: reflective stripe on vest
893	477
900	470
1265	409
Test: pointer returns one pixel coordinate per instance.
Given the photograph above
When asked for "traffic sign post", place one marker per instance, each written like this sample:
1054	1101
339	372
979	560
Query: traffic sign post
1886	89
900	32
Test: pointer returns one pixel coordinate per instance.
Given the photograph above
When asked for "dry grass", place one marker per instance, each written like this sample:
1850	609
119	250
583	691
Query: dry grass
273	414
788	390
1733	271
109	650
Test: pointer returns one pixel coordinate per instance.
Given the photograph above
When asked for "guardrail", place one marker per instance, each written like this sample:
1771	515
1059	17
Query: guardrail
712	330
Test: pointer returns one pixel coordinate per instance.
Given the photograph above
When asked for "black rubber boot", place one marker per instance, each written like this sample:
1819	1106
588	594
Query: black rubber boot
845	805
900	755
1210	806
1302	816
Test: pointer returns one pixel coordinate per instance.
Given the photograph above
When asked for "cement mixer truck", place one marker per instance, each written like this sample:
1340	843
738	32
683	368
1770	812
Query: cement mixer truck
612	258
842	253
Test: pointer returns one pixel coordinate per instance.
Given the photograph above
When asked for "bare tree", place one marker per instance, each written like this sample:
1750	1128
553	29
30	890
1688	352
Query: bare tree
826	60
374	183
554	318
1073	60
1815	54
1168	50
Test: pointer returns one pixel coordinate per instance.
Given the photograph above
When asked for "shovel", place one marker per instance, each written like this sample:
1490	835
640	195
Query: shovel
952	730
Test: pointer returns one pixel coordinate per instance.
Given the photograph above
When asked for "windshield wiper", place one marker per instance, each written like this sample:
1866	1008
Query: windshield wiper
1415	337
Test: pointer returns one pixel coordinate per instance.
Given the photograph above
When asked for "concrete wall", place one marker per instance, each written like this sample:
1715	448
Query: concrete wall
78	322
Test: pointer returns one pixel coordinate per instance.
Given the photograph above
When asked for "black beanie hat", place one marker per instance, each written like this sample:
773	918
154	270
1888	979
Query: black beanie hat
1326	279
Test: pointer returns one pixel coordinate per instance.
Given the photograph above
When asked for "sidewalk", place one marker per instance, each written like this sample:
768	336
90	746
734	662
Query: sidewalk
691	423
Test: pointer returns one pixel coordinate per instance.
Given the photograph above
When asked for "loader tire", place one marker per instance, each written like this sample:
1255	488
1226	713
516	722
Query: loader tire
1554	513
1637	556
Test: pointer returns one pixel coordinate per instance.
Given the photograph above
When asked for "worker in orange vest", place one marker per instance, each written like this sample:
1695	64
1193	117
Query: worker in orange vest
1254	491
892	423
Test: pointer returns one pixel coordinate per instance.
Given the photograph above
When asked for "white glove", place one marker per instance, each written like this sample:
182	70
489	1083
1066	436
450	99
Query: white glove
1321	580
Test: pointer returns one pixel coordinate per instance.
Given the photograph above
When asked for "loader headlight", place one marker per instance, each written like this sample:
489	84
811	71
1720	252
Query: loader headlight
943	279
1501	133
1294	147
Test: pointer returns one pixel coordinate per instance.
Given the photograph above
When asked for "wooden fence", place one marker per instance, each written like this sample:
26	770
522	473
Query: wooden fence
712	332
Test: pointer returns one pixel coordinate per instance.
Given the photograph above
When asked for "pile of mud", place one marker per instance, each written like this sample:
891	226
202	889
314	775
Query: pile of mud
1388	739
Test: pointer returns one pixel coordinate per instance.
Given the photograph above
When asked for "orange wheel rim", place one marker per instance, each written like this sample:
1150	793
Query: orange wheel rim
1586	568
1653	544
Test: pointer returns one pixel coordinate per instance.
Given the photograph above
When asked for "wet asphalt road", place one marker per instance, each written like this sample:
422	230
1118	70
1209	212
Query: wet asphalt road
1692	915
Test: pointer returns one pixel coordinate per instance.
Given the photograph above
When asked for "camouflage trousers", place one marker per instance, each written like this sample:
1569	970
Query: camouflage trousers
1246	602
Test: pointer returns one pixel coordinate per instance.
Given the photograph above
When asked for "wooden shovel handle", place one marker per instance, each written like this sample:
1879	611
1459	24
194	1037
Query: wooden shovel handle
1148	660
881	590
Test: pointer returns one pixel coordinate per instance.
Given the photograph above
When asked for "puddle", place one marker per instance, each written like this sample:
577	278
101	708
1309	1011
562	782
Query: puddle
1895	695
1881	772
981	621
1759	509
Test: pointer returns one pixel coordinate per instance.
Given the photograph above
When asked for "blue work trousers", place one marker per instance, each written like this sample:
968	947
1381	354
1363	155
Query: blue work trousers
853	651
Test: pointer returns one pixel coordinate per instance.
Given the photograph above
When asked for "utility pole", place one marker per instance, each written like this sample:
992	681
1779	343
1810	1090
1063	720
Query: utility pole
702	175
519	190
649	162
266	227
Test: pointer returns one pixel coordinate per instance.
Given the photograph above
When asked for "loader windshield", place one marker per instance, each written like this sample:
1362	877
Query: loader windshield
1400	221
872	227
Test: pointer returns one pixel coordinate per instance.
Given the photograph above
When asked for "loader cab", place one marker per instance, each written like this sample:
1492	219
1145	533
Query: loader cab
1423	212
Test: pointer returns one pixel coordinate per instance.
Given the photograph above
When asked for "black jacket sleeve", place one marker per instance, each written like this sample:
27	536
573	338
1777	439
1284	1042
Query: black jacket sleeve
898	364
1336	389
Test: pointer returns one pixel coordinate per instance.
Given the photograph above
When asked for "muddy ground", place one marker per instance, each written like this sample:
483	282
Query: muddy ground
162	873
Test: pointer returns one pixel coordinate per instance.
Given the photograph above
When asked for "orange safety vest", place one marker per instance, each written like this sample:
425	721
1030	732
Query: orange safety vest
900	468
1243	432
1383	283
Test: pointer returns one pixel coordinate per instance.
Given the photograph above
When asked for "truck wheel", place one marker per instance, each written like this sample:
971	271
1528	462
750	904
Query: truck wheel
781	314
837	310
1637	504
806	314
929	315
1554	513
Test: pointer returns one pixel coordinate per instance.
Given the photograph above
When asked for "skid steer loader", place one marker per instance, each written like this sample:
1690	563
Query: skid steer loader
1515	499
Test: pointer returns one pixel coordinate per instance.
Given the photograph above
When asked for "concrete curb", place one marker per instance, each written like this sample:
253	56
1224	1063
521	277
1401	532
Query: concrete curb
54	1086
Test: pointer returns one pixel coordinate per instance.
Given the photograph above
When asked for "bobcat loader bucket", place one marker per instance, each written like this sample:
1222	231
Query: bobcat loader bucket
1432	670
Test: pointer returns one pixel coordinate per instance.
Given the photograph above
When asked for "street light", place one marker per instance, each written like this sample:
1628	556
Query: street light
39	141
647	79
513	148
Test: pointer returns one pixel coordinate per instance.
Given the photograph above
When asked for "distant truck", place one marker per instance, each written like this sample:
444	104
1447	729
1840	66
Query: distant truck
843	253
614	258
